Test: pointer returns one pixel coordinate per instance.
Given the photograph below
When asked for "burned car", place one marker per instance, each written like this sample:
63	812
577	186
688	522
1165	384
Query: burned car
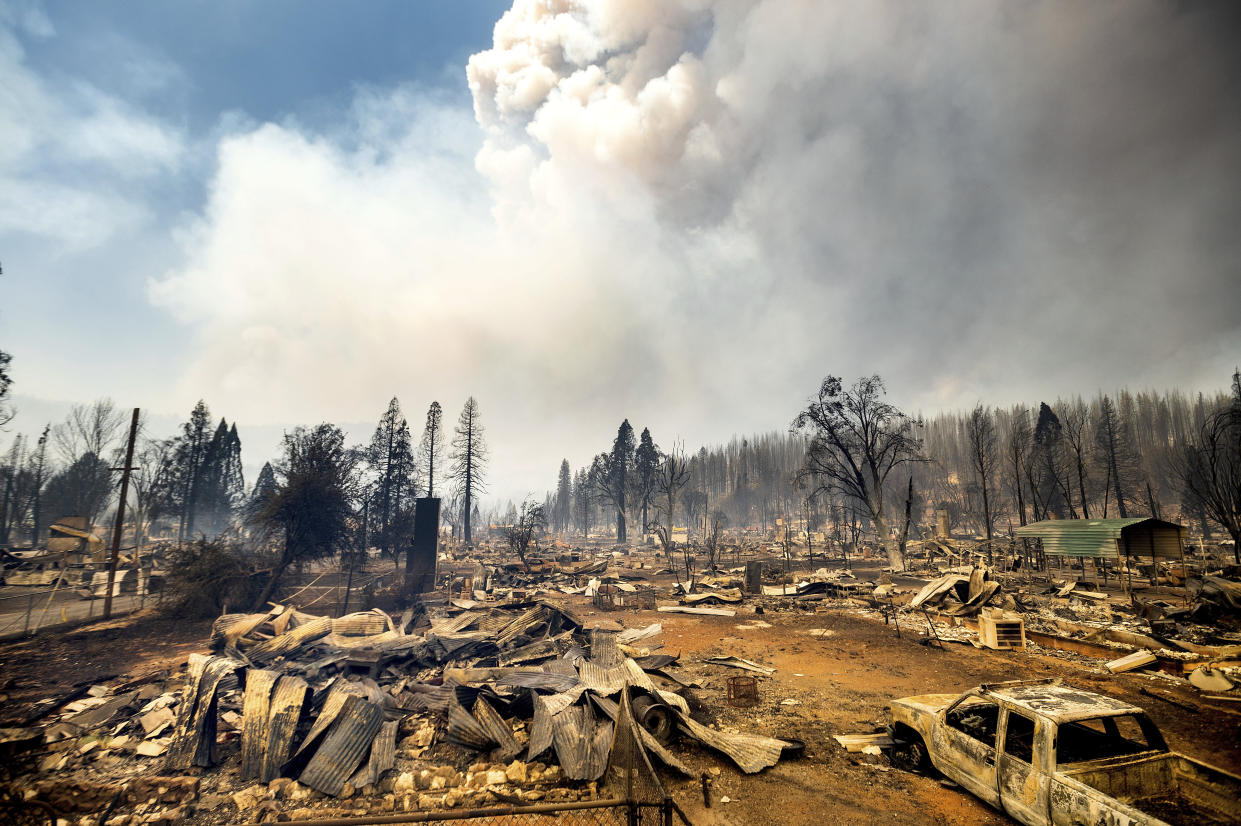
1048	753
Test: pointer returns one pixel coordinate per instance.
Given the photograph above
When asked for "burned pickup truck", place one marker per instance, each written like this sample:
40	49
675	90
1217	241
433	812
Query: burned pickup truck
1047	753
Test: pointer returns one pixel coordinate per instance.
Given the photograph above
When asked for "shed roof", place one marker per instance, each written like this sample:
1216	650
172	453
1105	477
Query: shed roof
1138	536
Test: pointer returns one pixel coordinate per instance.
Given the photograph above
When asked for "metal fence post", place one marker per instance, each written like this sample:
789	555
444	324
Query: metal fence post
29	609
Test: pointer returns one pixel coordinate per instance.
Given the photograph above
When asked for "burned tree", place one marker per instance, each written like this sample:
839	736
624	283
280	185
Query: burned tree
1075	418
670	479
713	539
6	381
531	520
432	441
984	456
1047	468
469	462
1114	446
856	439
1209	467
38	475
150	463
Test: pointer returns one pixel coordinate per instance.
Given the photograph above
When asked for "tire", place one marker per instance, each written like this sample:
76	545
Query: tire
913	756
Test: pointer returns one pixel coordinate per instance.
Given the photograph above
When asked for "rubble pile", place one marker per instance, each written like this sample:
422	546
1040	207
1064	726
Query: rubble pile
511	703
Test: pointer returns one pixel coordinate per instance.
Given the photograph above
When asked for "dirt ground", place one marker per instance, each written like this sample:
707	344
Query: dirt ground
841	680
52	664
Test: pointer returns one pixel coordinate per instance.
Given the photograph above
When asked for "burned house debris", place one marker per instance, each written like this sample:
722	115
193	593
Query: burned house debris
396	673
505	685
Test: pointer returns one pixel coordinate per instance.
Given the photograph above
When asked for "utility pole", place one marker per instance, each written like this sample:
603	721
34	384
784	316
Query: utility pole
120	515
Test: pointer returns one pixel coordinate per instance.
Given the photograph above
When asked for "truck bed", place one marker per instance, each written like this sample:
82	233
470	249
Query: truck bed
1167	786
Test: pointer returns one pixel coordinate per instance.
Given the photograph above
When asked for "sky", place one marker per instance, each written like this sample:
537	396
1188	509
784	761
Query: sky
681	212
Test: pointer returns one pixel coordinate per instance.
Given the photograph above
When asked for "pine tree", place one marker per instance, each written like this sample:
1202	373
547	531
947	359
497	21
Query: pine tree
183	479
38	472
1047	469
221	486
432	444
264	489
391	458
583	502
646	466
469	462
610	474
563	505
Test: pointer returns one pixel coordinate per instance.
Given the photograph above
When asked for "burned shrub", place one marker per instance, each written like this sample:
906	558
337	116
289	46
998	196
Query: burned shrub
208	576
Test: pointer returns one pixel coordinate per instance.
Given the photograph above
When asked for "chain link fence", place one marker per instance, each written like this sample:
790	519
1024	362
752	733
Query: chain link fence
59	607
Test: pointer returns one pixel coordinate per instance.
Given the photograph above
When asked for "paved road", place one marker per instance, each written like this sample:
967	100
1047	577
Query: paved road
14	621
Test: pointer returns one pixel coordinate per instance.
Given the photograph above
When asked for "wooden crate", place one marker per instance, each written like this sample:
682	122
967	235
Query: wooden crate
1000	633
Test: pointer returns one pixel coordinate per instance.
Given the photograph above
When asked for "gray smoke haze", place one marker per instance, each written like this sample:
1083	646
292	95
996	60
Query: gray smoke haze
687	213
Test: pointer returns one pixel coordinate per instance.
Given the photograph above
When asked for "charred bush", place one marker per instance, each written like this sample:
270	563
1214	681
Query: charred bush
208	576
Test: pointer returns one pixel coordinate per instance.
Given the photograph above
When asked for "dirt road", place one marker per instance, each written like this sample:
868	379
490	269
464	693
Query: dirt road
841	681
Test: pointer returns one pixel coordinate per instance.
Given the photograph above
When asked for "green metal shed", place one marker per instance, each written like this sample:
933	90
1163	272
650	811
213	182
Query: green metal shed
1098	538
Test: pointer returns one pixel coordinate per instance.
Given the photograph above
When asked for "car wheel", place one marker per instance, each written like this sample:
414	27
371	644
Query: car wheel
913	756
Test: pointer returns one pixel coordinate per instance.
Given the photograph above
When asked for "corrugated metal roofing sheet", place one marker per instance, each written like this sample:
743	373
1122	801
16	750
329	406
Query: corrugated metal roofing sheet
382	756
1139	536
540	730
498	730
287	704
255	711
344	747
464	730
193	741
751	752
290	641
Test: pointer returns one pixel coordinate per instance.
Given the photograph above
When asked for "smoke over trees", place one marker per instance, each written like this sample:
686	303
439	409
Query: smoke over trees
754	480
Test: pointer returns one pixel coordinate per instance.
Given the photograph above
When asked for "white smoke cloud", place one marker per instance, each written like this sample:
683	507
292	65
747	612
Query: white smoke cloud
688	212
71	155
